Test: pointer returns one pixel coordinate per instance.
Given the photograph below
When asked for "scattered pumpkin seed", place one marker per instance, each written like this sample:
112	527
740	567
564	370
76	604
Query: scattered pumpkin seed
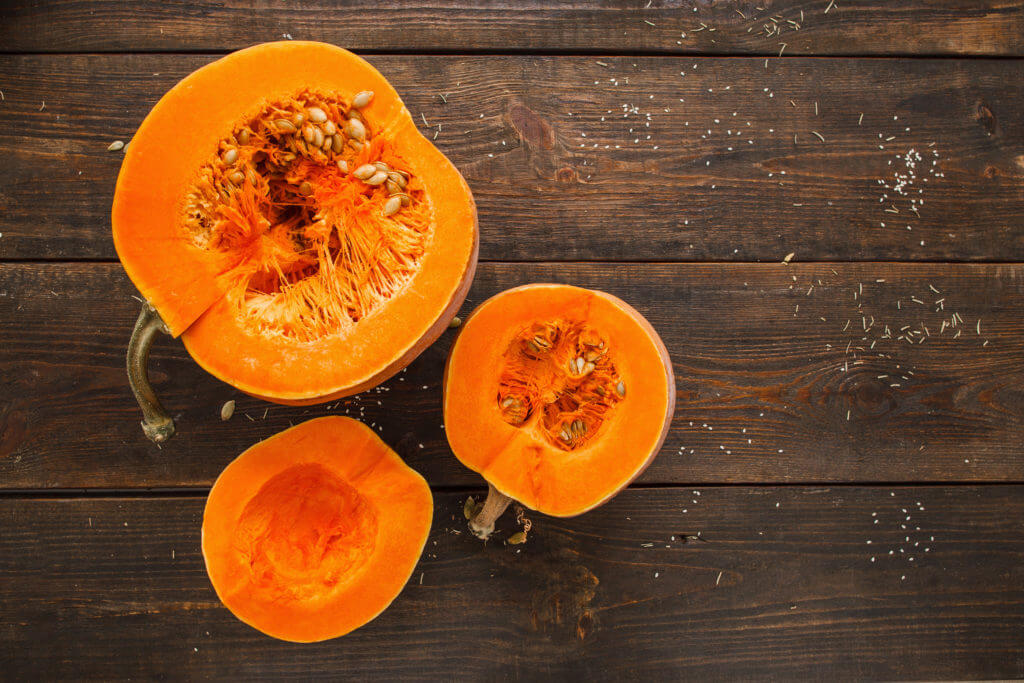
227	410
362	99
456	322
115	146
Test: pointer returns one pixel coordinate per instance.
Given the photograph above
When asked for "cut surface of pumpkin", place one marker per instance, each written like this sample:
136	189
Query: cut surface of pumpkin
282	213
313	532
559	396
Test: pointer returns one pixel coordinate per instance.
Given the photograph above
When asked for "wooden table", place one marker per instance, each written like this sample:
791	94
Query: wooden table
842	490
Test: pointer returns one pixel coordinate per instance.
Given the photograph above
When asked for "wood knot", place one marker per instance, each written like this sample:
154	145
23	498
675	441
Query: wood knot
532	129
986	118
567	175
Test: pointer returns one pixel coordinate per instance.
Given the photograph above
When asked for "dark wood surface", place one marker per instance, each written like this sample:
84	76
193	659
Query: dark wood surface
768	391
848	27
523	130
799	436
781	586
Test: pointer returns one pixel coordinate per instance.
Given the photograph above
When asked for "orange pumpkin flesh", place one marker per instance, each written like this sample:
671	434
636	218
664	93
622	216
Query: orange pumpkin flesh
559	396
244	215
313	532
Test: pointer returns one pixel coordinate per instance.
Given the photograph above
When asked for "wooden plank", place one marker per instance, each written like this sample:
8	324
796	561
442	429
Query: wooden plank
768	392
851	27
591	185
783	587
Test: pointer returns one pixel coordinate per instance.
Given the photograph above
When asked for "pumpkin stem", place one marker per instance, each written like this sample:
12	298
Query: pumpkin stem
157	425
482	525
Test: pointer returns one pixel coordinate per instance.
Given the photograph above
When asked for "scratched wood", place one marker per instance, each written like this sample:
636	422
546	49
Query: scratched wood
768	391
559	173
781	586
812	27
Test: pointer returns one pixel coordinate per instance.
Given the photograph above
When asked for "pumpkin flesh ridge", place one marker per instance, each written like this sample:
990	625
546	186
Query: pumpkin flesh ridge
313	532
543	461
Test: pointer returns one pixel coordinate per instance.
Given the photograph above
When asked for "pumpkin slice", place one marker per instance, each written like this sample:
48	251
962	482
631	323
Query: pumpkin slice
559	396
280	211
313	532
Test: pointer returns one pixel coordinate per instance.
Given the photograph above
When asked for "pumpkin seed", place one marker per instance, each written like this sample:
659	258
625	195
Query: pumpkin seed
230	156
391	186
565	436
338	143
620	388
381	166
243	137
517	538
330	128
237	177
362	99
588	368
285	126
355	129
377	178
115	146
364	171
307	133
305	188
318	137
298	120
328	142
405	199
392	206
356	145
317	115
356	115
342	164
456	322
397	179
227	410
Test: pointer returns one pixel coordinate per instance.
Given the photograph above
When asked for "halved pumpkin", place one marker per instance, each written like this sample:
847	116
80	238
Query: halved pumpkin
282	213
313	532
559	396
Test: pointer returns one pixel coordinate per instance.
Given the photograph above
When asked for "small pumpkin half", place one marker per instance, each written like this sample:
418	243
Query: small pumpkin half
559	396
313	532
280	211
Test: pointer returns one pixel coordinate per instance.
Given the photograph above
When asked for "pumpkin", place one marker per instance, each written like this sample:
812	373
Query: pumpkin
559	396
313	532
280	212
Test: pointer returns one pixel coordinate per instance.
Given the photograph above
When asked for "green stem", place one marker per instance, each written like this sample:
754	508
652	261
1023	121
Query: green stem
157	424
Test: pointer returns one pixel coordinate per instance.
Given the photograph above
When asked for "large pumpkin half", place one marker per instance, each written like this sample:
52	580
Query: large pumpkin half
313	532
282	213
559	396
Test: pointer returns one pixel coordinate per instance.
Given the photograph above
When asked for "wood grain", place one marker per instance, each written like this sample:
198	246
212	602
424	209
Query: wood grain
782	586
850	27
768	392
555	186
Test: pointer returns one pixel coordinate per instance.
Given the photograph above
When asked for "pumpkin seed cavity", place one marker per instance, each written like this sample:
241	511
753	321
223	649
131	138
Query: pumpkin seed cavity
561	371
306	247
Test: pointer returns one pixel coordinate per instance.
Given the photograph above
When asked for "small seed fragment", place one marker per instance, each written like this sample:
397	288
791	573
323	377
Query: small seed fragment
355	129
115	146
230	156
364	171
227	410
377	178
456	322
305	188
285	126
620	388
392	206
362	99
317	115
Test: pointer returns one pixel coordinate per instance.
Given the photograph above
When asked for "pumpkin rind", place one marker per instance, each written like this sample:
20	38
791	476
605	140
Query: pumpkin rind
186	284
257	526
527	463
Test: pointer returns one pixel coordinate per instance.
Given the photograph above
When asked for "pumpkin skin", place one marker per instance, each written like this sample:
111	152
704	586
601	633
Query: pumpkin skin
559	438
313	532
201	292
